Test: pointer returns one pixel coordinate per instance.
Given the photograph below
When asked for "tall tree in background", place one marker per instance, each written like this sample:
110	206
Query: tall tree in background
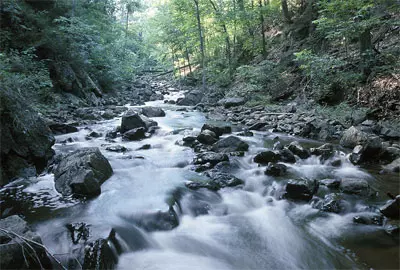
202	49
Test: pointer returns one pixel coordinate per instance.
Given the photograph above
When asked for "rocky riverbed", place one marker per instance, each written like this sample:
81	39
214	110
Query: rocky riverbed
212	186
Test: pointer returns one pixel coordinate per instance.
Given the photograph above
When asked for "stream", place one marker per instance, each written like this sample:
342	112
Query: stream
245	228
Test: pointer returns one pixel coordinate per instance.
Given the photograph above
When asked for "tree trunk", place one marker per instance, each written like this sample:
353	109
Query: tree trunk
264	51
286	13
203	63
366	52
188	59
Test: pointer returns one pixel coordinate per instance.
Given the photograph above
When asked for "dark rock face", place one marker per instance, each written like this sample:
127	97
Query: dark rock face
326	151
218	180
302	190
354	186
394	166
331	183
232	102
287	156
392	208
11	247
369	219
267	157
275	169
130	121
153	112
135	134
207	137
370	150
219	131
298	150
82	172
26	140
230	144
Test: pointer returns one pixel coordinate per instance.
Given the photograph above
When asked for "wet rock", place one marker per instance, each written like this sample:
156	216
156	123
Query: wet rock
100	255
267	157
153	112
369	219
330	183
275	169
79	232
207	137
394	166
111	135
217	181
333	203
210	157
131	120
326	151
298	150
61	128
370	150
246	133
134	134
159	221
352	137
232	102
117	148
390	134
390	153
219	131
17	254
392	208
94	134
286	156
355	186
336	162
82	172
300	189
258	126
230	144
149	123
144	147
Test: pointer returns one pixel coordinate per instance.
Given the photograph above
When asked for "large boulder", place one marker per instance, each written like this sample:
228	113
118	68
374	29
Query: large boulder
153	112
355	186
191	98
302	190
232	102
230	144
217	181
17	253
158	221
25	139
370	150
275	169
394	166
352	137
131	120
62	128
210	157
82	172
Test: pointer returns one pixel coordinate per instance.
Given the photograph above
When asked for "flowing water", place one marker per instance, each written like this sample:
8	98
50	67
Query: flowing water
246	228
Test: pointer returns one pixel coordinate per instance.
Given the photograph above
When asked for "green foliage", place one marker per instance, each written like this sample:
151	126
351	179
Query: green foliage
328	76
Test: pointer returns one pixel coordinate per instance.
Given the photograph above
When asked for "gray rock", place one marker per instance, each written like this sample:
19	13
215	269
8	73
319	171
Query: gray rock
12	248
352	137
210	157
267	157
355	186
82	172
117	148
207	137
394	166
219	131
392	208
258	126
326	151
298	150
135	134
302	190
191	98
232	102
275	169
333	203
369	219
131	120
159	221
230	144
331	183
217	181
61	128
153	112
